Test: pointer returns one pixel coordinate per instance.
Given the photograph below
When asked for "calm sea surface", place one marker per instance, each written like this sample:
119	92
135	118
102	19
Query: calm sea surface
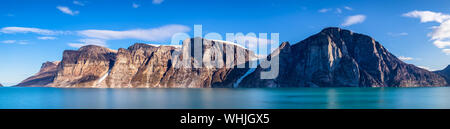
296	98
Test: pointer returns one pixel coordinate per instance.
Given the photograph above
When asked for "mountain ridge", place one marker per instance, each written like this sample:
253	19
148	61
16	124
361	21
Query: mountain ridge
337	57
332	57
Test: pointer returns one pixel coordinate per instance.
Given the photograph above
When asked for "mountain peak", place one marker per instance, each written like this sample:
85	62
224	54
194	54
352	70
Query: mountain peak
335	31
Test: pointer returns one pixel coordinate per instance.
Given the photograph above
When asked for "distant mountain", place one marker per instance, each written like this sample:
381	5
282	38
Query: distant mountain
340	58
1	85
332	58
44	77
446	73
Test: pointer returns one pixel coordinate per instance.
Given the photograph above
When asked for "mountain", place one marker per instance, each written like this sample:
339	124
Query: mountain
337	57
446	73
145	66
44	77
1	85
333	57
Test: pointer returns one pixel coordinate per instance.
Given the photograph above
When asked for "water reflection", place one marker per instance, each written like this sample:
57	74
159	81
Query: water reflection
295	98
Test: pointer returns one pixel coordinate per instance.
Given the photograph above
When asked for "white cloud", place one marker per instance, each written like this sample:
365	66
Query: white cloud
351	20
348	8
426	68
78	3
67	10
441	44
152	34
403	58
440	34
84	42
157	1
446	51
9	41
46	38
13	30
428	16
135	5
324	10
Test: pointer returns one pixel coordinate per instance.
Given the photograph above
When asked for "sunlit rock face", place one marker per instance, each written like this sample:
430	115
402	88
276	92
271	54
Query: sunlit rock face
148	66
83	67
44	77
340	58
445	73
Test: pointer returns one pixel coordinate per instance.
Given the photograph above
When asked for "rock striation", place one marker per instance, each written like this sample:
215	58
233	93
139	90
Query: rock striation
340	58
148	66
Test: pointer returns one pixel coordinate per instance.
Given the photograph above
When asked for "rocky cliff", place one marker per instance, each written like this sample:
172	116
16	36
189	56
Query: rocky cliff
446	73
1	85
147	66
333	57
340	58
44	77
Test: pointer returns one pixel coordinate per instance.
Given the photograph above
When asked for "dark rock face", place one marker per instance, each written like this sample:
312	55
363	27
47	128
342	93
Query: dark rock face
446	73
44	77
336	57
1	85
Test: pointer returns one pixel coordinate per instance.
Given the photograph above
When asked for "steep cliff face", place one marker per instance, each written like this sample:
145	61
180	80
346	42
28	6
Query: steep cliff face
446	73
82	68
149	66
337	57
44	77
1	85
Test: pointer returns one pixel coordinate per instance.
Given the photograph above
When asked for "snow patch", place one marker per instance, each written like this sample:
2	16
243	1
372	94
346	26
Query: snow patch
103	77
251	70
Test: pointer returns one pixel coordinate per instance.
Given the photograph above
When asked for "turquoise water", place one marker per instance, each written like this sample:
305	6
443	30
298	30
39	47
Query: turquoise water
296	98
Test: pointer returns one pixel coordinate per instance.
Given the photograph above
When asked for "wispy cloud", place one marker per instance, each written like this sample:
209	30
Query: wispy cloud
397	34
9	41
157	1
356	19
46	38
428	16
13	30
403	58
134	5
76	2
426	68
324	10
446	51
84	42
348	8
23	42
152	34
441	33
338	10
67	10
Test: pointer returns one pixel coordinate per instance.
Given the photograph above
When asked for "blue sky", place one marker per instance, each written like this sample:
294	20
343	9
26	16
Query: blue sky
33	32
